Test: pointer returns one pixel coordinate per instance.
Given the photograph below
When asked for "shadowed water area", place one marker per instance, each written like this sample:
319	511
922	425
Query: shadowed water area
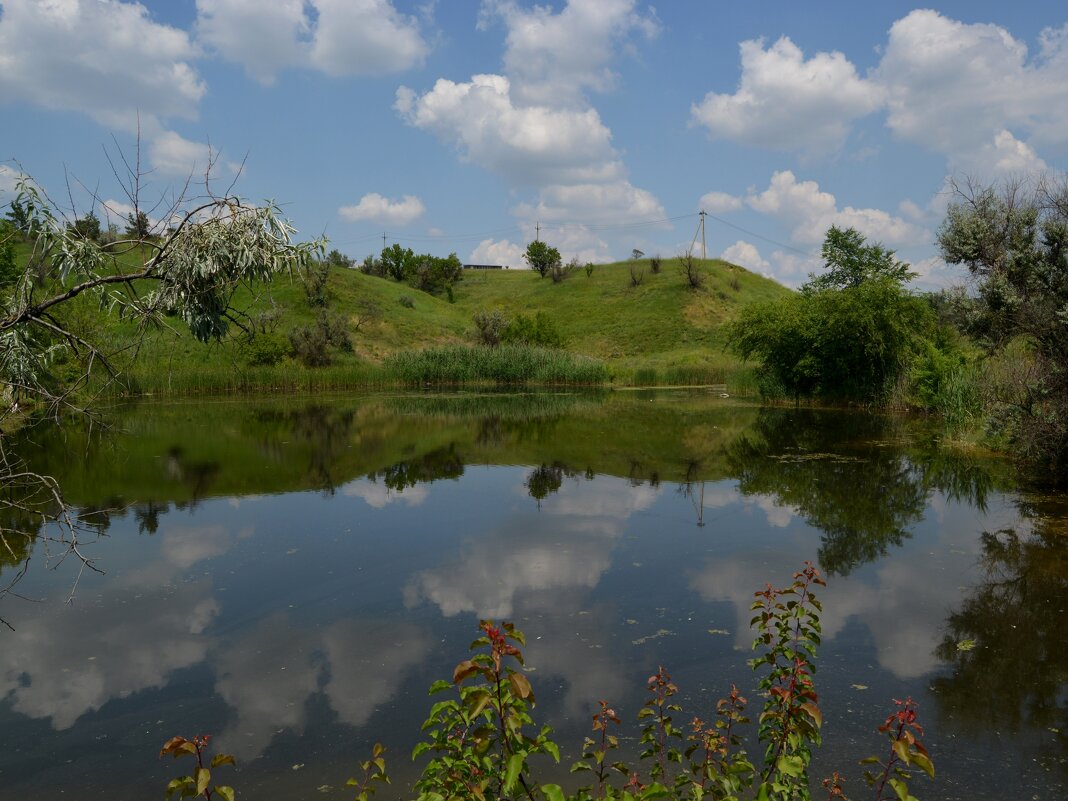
291	575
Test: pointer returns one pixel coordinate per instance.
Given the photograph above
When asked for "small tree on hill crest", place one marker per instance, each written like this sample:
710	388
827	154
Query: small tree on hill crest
541	257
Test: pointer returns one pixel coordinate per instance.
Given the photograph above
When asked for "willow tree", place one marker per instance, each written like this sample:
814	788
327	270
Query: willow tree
1013	239
187	266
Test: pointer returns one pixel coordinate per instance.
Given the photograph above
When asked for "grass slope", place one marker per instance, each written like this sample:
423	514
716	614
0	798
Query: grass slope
660	332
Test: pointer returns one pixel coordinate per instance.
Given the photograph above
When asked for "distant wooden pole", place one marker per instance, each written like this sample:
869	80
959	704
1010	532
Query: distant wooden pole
704	252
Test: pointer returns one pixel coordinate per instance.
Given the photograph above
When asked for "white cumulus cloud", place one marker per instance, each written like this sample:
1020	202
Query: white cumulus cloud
810	211
553	57
594	202
719	202
376	208
338	37
365	37
1004	155
745	255
785	101
953	86
503	252
532	145
533	125
174	155
566	154
971	92
106	59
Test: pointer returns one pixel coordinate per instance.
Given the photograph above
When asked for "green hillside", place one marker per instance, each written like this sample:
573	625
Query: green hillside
662	331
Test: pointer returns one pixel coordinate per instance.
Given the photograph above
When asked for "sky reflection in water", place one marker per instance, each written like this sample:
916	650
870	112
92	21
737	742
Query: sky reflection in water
293	578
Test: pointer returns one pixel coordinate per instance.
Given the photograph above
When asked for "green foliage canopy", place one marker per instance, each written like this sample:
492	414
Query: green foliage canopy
541	257
851	262
1013	239
846	336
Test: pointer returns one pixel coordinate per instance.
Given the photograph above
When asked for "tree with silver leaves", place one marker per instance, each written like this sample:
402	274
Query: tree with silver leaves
213	245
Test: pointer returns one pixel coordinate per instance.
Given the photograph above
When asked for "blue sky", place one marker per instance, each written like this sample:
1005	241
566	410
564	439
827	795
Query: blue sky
460	125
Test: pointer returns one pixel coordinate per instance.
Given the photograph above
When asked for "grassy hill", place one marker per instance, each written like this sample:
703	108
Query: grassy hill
660	332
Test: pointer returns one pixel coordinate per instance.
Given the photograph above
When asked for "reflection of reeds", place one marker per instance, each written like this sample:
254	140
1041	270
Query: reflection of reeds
496	406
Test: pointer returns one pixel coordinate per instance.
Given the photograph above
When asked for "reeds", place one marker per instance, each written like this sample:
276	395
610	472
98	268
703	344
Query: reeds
507	364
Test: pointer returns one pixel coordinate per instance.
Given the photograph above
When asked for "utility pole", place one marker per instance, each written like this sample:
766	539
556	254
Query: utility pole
383	240
704	253
537	231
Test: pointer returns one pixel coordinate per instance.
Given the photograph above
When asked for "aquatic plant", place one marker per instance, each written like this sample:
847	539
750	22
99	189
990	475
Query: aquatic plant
483	740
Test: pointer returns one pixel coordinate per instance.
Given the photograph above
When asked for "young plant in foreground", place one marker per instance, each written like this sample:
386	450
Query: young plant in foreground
196	785
374	772
907	753
480	739
595	752
788	626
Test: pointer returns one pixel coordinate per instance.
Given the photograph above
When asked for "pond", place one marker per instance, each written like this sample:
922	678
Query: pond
290	575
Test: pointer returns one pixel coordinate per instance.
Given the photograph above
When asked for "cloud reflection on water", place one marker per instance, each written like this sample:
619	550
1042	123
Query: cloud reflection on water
901	601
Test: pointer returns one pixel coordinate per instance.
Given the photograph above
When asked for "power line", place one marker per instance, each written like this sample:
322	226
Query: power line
759	236
563	225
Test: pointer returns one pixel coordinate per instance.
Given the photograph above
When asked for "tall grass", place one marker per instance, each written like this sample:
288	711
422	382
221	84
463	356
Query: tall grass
238	379
508	364
739	379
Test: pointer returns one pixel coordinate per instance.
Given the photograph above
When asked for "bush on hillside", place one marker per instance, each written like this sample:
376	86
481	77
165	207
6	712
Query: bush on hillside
537	330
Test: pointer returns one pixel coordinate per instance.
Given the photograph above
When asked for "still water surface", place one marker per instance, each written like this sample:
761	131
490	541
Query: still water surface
291	575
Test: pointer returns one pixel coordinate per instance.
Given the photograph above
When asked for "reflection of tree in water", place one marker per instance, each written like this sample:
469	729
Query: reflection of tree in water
18	528
1006	642
848	475
325	431
432	466
545	479
196	475
147	516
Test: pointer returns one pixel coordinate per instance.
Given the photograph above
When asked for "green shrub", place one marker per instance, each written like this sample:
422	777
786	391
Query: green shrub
537	330
943	382
312	344
491	326
265	350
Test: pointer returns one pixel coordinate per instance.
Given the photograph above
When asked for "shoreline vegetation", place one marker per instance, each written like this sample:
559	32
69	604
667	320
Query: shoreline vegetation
604	328
166	314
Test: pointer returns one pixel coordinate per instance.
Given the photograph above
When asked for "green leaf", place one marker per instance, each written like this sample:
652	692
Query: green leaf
553	792
924	763
511	775
438	686
476	702
902	790
463	670
552	749
813	712
791	765
901	748
203	779
225	792
177	784
655	790
521	685
222	759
